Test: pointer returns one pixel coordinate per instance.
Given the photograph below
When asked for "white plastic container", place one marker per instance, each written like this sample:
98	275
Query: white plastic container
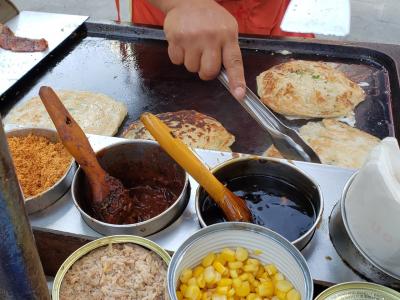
372	207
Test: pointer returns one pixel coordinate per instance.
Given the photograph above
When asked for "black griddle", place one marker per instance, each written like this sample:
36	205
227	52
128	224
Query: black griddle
131	64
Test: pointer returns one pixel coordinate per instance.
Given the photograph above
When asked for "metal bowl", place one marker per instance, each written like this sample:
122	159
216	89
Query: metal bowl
249	166
46	198
274	249
133	161
82	251
350	252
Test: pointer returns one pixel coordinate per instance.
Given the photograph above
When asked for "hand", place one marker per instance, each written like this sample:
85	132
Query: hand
201	35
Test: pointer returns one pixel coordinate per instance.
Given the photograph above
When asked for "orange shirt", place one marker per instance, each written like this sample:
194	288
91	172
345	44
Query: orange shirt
253	16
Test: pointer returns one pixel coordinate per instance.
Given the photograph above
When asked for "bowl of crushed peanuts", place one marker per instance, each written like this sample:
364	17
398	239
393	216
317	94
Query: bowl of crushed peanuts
44	167
238	261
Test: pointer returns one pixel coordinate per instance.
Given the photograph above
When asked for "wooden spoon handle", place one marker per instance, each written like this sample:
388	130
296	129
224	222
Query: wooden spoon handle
233	208
71	135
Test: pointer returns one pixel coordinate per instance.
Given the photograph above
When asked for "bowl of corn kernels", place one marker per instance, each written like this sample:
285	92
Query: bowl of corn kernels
238	261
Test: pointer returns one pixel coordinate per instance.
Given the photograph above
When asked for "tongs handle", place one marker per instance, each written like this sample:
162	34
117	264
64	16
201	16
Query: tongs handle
254	108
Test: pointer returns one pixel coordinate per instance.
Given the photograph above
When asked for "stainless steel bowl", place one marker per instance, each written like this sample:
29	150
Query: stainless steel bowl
247	166
46	198
273	249
350	252
133	161
85	249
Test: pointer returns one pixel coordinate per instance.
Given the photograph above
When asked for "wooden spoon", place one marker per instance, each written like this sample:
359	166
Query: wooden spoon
233	207
110	200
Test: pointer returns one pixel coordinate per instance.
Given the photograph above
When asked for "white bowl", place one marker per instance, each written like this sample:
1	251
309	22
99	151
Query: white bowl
275	249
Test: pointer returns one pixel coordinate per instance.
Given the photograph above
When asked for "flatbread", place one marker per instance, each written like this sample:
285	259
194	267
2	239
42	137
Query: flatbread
308	89
193	128
95	113
335	143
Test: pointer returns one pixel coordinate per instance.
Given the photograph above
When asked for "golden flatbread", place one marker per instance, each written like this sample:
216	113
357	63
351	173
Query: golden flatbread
193	128
308	89
95	113
335	143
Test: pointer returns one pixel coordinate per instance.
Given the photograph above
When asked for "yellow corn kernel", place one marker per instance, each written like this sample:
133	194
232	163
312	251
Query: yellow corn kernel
244	276
271	269
183	288
208	260
283	286
251	296
236	282
278	277
293	295
265	276
185	275
197	271
193	292
192	281
217	277
257	252
205	296
233	273
274	298
241	254
250	268
200	281
260	271
219	297
222	290
231	292
255	283
228	255
221	259
219	267
281	295
225	282
235	265
179	295
243	290
265	289
253	261
209	274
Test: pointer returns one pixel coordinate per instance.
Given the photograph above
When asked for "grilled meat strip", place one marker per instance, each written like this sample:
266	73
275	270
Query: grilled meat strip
9	41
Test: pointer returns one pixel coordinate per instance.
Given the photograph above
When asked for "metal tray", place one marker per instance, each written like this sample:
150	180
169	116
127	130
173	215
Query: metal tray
131	64
325	264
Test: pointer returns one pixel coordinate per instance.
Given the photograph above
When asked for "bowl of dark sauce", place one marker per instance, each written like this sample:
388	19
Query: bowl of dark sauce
279	195
159	187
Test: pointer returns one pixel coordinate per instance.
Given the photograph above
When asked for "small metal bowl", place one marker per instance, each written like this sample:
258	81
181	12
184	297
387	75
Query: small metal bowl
82	251
274	249
46	198
283	171
131	162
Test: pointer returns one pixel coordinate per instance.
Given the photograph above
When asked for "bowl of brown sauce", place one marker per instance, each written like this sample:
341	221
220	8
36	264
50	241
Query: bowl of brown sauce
159	188
279	195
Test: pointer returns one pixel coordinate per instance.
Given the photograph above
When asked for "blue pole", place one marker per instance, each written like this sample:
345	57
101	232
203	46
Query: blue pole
21	273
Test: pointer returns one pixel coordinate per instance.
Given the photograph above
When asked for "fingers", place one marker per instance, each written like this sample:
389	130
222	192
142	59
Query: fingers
232	60
176	54
210	63
192	59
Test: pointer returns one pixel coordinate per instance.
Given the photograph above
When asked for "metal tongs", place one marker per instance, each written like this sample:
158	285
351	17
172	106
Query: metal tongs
286	140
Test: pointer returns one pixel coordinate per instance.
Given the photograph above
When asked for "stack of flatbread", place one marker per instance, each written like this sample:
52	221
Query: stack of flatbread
95	113
307	89
193	128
